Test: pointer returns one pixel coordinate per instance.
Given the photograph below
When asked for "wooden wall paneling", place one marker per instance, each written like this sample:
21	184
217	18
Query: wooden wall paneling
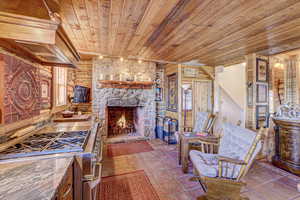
197	21
1	91
179	112
81	13
133	14
274	20
115	18
182	12
213	32
254	24
153	17
83	74
104	7
70	20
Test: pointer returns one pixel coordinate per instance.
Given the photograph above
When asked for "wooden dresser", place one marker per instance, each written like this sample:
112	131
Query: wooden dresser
287	145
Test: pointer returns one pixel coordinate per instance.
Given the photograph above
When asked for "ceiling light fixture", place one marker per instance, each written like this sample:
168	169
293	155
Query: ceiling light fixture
100	57
140	61
121	59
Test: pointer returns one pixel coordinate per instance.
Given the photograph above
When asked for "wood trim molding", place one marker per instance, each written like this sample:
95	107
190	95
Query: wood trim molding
19	27
126	84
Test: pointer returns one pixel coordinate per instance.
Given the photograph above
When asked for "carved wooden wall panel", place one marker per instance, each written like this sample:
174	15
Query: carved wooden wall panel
22	91
46	89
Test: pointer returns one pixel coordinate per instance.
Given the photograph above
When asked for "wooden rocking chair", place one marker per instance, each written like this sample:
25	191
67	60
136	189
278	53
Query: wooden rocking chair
220	174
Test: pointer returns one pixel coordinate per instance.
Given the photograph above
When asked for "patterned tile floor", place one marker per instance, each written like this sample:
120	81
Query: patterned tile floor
264	182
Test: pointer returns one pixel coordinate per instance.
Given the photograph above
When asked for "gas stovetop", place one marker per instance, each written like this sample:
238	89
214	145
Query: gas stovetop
48	143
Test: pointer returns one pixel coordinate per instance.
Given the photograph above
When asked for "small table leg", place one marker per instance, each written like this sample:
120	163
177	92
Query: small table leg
179	150
185	155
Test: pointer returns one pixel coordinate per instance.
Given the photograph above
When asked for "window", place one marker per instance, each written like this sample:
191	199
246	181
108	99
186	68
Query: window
60	86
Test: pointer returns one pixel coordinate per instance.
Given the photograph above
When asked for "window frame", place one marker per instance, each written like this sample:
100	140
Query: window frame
60	80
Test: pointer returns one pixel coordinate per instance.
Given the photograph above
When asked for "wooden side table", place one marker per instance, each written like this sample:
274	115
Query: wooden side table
185	140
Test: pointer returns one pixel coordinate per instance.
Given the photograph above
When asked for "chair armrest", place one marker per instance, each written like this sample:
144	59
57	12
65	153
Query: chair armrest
231	160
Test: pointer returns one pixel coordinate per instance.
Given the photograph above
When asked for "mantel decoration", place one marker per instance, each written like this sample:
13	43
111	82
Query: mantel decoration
288	111
125	84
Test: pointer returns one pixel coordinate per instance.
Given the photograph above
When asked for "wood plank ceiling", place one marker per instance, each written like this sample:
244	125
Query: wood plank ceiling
211	31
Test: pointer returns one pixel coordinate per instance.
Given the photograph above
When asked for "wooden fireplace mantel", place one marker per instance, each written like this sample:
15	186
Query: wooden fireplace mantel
126	84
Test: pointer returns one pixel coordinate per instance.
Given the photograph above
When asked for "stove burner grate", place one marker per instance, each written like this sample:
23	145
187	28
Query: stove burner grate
48	143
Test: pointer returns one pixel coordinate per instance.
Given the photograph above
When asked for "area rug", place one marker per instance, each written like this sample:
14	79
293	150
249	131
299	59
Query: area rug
120	149
130	186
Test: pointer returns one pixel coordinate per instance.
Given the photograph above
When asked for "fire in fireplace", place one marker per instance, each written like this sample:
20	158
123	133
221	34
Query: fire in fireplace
121	121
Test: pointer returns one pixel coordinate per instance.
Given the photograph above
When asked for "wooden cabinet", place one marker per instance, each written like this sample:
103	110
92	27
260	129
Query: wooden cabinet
287	145
91	185
65	190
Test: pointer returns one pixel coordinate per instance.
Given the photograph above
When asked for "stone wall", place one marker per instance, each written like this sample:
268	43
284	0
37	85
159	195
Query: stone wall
107	68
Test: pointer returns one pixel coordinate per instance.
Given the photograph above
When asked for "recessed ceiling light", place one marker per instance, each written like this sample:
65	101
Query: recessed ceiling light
100	57
140	61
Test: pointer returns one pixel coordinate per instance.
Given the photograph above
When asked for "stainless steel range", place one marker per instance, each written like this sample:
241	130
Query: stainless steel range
48	143
82	140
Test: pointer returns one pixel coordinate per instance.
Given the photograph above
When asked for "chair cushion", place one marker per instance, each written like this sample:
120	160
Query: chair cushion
200	122
236	141
206	164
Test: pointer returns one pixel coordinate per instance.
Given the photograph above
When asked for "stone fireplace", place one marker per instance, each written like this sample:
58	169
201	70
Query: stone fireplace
133	104
125	121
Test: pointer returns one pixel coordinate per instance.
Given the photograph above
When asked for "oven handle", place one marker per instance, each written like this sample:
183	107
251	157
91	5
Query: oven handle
91	177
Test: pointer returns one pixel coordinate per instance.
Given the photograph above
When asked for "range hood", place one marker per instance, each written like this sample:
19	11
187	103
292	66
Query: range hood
34	27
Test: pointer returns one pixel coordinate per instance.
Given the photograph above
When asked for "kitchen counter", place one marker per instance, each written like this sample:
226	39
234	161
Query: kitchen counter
67	127
75	118
36	179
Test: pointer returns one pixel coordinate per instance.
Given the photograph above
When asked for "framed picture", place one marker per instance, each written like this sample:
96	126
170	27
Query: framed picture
187	100
250	94
262	93
172	103
190	72
262	69
158	94
262	112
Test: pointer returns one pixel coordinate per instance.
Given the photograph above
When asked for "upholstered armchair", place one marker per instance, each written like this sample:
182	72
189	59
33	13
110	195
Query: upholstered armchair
220	174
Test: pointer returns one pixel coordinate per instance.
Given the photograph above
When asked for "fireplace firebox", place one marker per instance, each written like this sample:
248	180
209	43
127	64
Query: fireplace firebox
123	121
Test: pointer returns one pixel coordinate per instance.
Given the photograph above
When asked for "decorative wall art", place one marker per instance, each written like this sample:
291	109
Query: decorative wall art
158	94
262	113
262	69
22	91
172	104
45	92
250	94
262	93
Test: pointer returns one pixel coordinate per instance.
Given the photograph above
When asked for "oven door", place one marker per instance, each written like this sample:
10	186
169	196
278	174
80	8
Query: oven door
91	184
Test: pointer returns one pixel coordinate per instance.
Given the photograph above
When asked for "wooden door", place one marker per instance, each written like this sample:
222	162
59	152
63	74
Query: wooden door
202	97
